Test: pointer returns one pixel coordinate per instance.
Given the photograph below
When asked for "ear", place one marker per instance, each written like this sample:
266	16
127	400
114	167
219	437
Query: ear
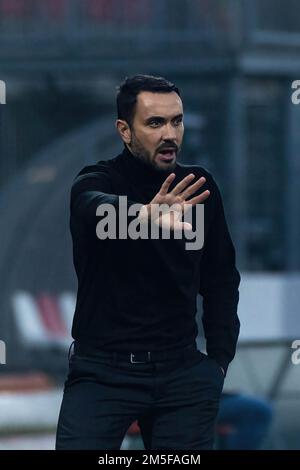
124	130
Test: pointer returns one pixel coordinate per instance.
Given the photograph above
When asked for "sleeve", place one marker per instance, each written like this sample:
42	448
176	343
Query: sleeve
91	189
219	284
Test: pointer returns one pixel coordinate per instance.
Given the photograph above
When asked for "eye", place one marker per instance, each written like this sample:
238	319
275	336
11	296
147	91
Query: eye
177	121
155	123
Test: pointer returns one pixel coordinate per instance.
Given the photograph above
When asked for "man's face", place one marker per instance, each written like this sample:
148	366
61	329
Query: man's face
157	129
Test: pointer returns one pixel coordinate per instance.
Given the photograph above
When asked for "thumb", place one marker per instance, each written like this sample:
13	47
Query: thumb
186	226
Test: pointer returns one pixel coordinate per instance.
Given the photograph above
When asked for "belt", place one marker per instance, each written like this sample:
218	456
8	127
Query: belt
137	357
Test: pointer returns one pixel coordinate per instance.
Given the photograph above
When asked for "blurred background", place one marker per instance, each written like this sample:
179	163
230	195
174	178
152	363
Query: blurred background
234	61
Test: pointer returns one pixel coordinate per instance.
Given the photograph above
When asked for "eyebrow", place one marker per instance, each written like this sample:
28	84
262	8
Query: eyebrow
162	119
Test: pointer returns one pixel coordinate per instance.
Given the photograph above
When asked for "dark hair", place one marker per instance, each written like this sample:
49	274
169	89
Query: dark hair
132	86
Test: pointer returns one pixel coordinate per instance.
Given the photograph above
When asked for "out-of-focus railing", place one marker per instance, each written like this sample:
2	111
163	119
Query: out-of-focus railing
207	19
221	23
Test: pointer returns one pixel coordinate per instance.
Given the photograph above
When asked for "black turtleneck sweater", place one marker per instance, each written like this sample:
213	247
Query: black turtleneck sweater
140	295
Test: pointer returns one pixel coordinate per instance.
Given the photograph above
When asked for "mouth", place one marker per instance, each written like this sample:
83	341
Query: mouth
167	155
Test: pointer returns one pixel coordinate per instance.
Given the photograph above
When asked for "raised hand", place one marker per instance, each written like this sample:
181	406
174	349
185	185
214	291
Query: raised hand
173	204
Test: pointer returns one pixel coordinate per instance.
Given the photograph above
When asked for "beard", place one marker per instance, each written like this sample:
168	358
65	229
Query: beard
139	151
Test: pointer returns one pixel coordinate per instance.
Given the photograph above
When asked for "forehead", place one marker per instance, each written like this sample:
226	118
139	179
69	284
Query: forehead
158	104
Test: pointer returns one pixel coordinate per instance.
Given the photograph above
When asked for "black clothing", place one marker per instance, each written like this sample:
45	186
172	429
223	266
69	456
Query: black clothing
176	402
140	295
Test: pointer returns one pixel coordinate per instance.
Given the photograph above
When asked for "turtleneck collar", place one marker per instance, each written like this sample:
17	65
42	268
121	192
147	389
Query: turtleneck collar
140	171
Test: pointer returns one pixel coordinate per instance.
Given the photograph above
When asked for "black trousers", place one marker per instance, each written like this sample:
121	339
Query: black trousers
175	402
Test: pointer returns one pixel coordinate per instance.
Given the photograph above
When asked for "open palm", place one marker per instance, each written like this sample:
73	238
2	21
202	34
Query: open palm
167	208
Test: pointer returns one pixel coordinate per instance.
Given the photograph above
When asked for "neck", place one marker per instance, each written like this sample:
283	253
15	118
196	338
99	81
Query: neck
141	170
148	165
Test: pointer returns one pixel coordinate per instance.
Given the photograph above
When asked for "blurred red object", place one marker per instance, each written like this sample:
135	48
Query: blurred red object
100	10
15	8
29	382
134	429
57	9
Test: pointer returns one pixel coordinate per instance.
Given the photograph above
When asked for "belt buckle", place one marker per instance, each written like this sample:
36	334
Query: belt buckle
139	362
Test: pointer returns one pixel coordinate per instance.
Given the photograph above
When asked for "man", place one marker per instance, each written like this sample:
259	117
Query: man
135	355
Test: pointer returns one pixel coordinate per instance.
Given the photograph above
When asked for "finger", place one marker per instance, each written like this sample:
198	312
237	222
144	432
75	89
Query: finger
183	184
193	188
182	226
187	227
198	199
166	184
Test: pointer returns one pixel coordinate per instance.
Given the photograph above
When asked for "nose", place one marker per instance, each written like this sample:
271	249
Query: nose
169	132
